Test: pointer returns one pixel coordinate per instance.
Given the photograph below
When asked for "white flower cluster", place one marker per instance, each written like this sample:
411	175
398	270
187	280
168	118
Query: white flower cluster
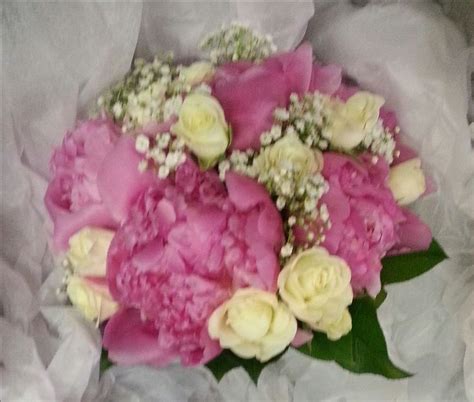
380	141
237	42
165	154
288	165
150	92
310	116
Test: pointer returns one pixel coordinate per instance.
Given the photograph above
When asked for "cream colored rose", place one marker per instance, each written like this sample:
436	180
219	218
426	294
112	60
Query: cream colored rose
197	72
407	181
91	298
253	324
291	154
202	126
338	328
351	121
88	249
316	287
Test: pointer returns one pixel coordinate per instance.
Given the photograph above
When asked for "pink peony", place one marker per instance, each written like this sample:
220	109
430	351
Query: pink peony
183	249
95	178
250	92
366	220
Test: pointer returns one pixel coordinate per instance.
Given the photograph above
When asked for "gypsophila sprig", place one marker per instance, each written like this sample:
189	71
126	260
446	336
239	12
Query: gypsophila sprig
164	154
310	115
150	92
290	171
237	42
380	141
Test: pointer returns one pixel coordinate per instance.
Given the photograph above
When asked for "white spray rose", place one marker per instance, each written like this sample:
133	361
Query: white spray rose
91	298
253	324
351	121
197	72
407	181
88	249
291	154
201	124
87	287
316	287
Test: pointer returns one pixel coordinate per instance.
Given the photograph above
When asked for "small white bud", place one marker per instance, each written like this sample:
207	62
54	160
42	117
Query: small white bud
163	172
142	143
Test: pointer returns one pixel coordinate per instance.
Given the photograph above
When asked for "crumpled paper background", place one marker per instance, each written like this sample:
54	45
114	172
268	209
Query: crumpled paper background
57	57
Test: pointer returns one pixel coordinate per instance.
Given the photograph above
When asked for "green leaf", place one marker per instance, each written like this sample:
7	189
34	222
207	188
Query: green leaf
226	361
399	268
380	298
105	363
363	350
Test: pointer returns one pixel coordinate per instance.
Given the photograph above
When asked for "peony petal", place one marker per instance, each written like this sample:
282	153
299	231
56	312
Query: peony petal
414	234
249	93
389	118
152	128
297	67
244	192
405	152
337	202
130	341
67	223
119	181
270	228
325	79
301	338
346	91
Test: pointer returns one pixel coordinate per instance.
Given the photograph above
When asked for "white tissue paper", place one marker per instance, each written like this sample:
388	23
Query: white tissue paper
57	57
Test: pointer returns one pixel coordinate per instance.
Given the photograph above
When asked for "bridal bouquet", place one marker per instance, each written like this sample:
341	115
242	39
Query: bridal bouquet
221	212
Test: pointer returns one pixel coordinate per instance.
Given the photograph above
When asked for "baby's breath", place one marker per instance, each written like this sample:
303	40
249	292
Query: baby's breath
165	153
237	42
150	92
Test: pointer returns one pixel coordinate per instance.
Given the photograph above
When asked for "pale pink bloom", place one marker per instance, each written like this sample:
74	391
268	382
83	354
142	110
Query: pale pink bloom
366	221
249	92
183	250
95	177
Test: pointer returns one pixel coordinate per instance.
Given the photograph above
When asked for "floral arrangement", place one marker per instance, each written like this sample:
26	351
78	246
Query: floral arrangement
221	212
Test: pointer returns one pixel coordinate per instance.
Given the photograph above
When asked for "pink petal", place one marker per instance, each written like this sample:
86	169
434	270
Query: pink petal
152	128
325	79
333	237
119	181
345	92
337	202
244	192
249	93
389	118
131	341
405	152
297	67
270	229
229	71
414	234
67	223
301	338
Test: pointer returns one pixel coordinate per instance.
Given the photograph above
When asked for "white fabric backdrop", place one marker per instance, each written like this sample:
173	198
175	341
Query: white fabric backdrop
57	57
